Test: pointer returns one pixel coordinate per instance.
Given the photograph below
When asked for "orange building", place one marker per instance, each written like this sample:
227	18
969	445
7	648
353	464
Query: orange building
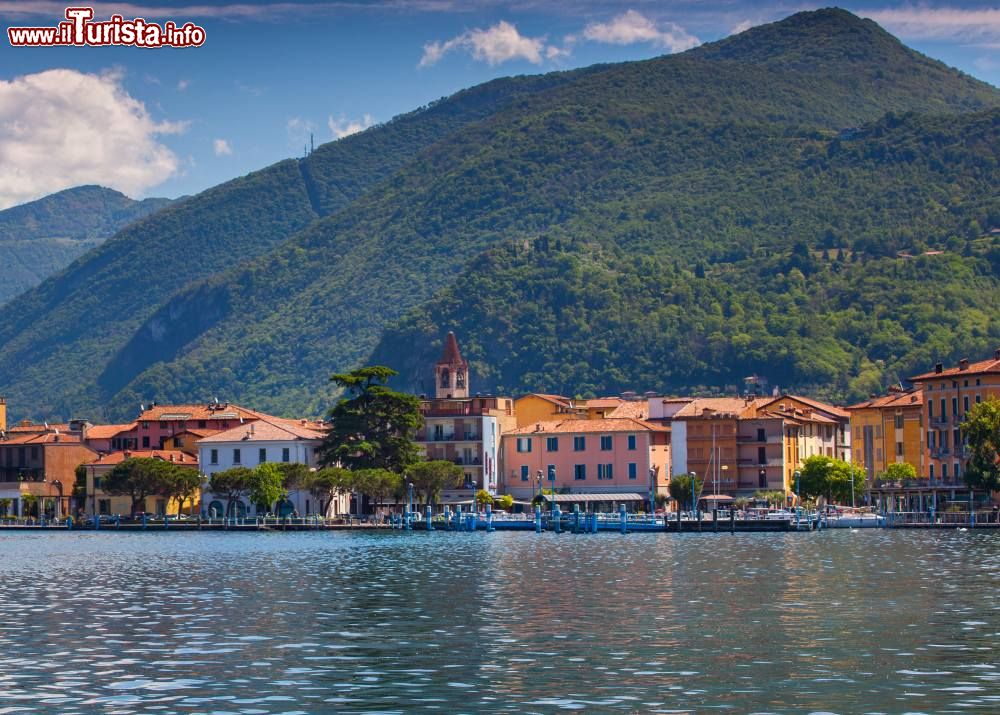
38	472
948	395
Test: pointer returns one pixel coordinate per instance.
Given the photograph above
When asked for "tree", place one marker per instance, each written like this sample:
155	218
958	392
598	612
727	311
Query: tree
233	484
981	431
5	505
30	502
484	498
265	485
295	475
685	490
831	478
180	483
901	472
429	478
505	502
771	497
327	483
375	427
138	478
378	484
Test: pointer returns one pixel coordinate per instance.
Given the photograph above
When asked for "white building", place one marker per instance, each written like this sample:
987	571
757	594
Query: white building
268	439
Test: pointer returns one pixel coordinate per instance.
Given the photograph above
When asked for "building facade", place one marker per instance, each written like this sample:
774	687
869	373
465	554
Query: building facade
887	429
99	502
587	457
38	472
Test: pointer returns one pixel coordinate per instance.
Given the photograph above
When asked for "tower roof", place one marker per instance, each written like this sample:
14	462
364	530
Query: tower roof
451	355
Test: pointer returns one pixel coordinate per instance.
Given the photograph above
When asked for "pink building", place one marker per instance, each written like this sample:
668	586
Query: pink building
613	456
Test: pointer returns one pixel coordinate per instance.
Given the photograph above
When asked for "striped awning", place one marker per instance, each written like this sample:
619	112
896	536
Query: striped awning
595	497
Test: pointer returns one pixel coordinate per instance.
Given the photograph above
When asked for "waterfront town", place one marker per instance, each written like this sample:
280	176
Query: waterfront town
611	451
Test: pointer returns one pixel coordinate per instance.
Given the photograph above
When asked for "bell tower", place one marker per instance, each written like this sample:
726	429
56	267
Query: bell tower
451	374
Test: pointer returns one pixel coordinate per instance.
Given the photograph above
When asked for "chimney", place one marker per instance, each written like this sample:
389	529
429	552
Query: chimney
963	364
938	368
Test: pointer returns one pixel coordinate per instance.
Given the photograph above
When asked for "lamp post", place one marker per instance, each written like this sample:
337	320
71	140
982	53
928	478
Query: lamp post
652	493
798	499
58	485
538	480
694	493
409	504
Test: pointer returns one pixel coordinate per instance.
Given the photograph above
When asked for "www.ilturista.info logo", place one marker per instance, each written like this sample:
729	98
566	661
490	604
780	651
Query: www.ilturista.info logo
80	30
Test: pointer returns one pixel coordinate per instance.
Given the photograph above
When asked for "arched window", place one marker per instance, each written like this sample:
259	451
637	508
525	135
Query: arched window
459	379
445	378
216	509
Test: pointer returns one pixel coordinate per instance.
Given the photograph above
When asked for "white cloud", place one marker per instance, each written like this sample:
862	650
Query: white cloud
495	45
62	128
631	27
221	147
966	25
743	27
344	127
183	84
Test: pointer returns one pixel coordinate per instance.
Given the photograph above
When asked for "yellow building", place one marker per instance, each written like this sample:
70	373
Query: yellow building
888	429
547	408
187	441
98	501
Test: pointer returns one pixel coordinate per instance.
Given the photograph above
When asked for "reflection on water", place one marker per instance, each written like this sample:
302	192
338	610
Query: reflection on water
844	622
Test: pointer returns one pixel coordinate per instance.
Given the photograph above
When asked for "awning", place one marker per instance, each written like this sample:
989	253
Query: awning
594	497
716	497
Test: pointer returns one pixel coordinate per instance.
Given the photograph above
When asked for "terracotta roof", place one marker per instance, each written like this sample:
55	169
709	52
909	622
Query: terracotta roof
451	354
815	404
599	402
197	432
983	367
33	428
108	431
726	406
587	426
907	398
41	438
167	455
554	399
270	429
637	410
222	411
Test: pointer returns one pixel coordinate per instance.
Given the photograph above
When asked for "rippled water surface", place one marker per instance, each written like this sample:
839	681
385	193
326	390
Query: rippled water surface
842	622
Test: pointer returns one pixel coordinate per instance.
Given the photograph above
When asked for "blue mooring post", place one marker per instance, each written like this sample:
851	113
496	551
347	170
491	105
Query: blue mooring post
623	518
69	522
97	522
427	518
489	517
144	521
538	518
409	506
556	517
594	522
473	517
447	518
576	518
459	525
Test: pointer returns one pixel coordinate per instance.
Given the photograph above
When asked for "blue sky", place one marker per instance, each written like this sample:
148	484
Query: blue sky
169	122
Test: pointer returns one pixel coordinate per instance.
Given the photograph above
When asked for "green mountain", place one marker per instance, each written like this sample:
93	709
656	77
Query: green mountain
630	225
42	237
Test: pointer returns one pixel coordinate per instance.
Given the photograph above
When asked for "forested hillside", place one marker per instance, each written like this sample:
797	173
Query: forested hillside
653	225
42	237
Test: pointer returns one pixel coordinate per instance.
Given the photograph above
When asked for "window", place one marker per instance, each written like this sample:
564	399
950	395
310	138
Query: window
762	435
604	471
899	421
605	443
34	453
145	442
958	470
261	455
524	472
633	472
631	442
145	425
944	409
286	455
965	404
579	472
979	398
579	443
445	378
930	439
899	449
213	457
201	424
236	456
954	407
163	425
524	444
761	455
552	444
97	483
944	471
930	409
104	507
932	472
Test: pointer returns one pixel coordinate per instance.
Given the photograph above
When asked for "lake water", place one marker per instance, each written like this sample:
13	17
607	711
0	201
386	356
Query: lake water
839	621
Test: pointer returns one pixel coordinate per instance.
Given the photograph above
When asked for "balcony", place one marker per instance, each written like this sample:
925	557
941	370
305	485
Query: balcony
474	462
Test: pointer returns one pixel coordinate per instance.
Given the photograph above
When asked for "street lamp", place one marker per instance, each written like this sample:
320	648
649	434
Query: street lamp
538	480
652	493
694	495
409	504
798	499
